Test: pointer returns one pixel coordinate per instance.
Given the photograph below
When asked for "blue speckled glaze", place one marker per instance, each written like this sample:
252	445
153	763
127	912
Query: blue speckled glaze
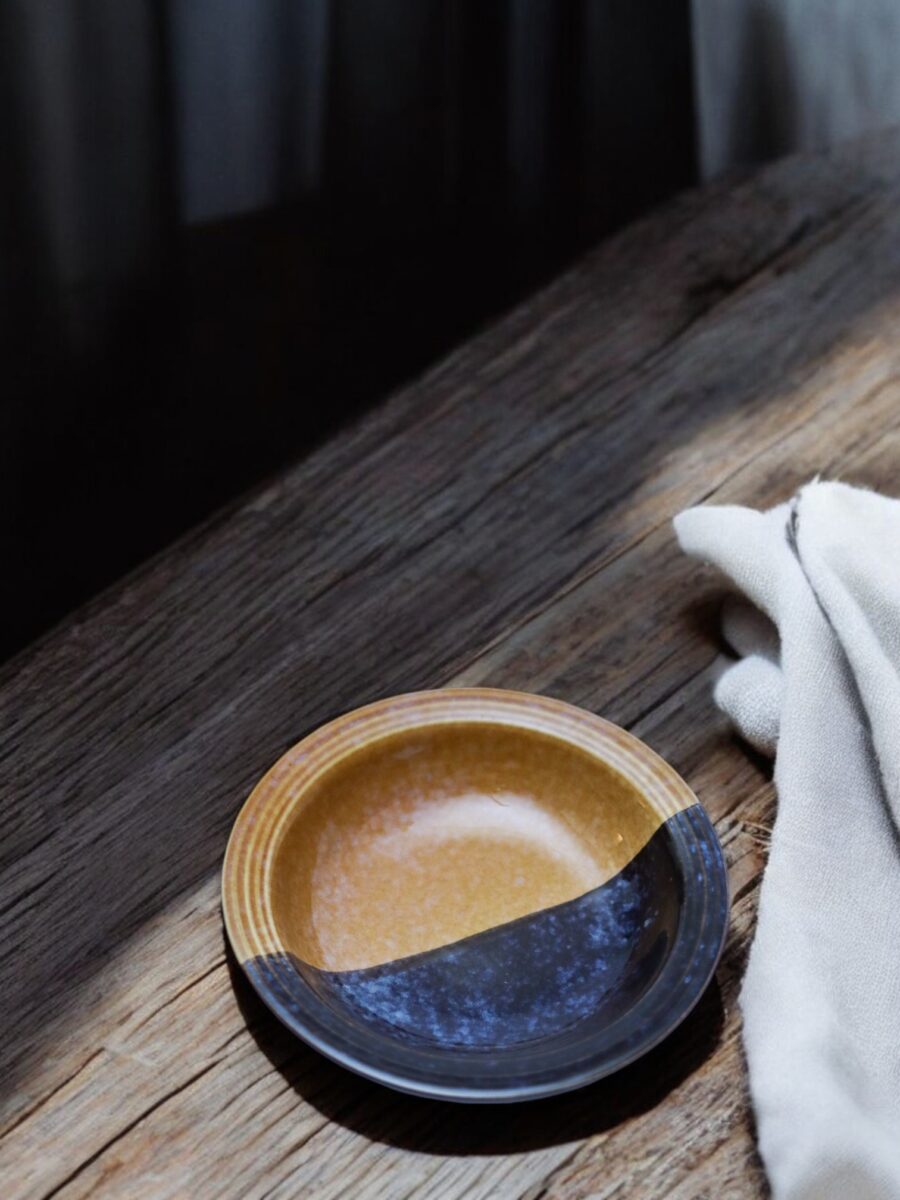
535	1006
530	978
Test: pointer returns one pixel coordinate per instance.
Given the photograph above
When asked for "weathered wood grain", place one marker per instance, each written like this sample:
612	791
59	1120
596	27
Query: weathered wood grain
505	521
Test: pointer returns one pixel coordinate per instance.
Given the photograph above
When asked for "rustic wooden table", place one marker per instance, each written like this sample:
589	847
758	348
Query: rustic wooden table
503	521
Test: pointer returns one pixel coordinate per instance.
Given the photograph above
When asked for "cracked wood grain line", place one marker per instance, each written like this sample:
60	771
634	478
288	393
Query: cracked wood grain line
157	1104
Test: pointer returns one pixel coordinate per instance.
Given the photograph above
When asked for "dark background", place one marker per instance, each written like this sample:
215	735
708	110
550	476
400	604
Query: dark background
224	230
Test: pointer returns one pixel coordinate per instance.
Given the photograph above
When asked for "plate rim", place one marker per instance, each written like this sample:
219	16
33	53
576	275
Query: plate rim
714	918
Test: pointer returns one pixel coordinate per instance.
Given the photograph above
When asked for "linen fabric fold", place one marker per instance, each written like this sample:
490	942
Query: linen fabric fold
818	684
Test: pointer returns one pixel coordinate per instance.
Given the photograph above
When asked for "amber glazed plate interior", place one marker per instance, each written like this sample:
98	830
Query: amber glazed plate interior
476	894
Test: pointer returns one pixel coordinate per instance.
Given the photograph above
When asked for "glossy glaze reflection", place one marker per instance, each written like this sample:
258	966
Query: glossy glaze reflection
428	836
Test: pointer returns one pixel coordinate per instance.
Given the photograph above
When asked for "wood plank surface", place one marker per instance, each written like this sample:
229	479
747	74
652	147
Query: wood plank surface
506	520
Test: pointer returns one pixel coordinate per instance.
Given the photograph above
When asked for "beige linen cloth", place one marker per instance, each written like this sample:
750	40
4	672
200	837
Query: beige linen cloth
821	690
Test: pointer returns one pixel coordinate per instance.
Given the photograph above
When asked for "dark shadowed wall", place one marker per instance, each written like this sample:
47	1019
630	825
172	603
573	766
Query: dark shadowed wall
226	226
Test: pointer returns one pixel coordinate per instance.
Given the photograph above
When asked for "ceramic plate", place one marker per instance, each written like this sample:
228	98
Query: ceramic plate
476	895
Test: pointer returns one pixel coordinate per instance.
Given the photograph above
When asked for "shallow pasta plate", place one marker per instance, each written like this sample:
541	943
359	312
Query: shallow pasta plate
476	895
